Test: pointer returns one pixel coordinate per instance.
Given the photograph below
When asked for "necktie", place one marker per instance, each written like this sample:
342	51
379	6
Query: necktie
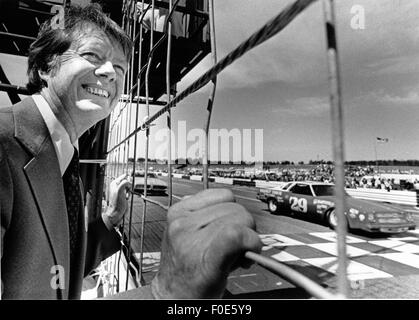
73	200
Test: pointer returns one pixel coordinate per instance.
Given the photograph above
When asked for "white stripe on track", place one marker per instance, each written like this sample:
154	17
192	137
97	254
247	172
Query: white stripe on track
177	197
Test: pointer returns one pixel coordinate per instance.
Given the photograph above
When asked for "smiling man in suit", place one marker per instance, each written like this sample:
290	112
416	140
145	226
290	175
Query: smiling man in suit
76	74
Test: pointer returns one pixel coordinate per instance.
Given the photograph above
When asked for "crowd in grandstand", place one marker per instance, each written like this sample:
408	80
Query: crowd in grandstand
355	176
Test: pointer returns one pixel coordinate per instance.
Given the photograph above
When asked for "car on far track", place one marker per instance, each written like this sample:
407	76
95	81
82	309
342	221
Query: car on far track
154	184
316	199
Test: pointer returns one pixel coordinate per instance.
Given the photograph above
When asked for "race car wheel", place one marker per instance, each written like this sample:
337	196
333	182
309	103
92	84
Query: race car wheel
332	219
272	206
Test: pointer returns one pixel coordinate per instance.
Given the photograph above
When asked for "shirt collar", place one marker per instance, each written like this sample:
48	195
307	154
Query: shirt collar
60	137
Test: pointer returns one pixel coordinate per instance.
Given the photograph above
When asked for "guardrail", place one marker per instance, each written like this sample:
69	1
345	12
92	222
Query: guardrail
410	198
196	178
268	184
228	181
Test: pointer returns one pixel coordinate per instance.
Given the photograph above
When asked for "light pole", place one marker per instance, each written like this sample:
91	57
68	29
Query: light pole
376	159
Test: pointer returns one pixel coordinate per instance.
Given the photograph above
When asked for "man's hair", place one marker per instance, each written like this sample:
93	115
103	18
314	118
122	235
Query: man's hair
53	41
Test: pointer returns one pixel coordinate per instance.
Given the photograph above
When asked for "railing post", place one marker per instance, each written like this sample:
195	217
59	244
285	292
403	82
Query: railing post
205	152
147	142
169	112
338	142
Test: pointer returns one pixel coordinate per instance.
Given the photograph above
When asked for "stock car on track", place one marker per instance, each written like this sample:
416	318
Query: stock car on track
315	199
154	184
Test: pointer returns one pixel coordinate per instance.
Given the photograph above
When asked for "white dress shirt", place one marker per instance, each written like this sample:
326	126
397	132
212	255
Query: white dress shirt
60	138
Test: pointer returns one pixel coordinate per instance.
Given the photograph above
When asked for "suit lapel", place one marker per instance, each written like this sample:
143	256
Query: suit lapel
44	176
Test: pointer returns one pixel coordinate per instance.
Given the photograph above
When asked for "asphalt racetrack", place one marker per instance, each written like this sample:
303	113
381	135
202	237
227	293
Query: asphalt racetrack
380	265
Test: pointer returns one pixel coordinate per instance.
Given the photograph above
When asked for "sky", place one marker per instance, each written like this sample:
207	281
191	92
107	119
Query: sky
281	87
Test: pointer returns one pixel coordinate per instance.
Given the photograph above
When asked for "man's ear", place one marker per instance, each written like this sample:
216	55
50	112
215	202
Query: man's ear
53	65
44	75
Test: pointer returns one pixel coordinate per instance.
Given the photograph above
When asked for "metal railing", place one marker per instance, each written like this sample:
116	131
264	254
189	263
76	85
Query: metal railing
121	132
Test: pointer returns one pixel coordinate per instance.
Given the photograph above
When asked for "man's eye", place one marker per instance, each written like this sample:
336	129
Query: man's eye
91	56
120	68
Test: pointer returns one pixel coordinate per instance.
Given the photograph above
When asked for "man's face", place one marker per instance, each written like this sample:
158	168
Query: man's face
88	79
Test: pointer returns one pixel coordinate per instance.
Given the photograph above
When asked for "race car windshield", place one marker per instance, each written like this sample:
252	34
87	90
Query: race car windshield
323	190
141	174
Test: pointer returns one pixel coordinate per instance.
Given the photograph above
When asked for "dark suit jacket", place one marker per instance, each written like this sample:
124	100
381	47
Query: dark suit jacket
34	223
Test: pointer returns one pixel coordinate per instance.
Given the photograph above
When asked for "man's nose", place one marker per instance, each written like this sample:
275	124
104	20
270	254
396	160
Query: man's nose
107	71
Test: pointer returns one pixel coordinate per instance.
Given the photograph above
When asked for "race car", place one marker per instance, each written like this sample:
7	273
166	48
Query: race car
154	184
315	199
